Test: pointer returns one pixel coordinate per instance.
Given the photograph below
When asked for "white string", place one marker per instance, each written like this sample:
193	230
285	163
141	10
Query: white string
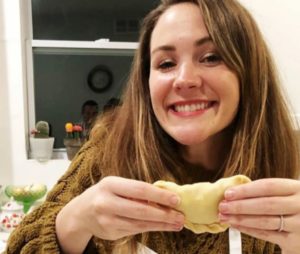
235	241
235	244
142	249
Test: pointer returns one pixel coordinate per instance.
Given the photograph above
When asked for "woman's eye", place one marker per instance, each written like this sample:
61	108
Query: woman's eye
166	65
211	59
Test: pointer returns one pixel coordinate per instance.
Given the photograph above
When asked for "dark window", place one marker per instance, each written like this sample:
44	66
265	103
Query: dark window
61	74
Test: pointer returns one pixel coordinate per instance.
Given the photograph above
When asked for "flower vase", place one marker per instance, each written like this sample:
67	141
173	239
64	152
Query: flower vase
72	146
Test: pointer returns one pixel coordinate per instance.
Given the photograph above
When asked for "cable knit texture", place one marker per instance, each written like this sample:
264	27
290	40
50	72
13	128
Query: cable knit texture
36	234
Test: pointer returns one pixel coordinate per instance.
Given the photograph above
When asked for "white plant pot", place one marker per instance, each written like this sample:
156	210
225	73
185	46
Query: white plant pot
41	148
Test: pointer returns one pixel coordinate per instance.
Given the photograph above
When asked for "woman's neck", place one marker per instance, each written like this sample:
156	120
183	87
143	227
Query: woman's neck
211	154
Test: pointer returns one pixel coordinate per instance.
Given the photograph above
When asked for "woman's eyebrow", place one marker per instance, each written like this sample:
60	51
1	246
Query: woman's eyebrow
163	48
172	48
202	41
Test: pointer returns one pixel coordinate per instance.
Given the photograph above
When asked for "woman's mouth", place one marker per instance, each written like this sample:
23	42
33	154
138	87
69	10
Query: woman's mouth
191	108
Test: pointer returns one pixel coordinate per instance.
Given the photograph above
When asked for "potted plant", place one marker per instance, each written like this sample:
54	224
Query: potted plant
73	140
41	145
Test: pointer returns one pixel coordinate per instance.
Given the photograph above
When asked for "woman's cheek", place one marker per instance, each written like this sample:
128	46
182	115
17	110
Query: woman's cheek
157	90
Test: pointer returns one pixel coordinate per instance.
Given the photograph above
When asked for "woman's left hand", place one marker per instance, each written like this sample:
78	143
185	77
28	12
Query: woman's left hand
268	209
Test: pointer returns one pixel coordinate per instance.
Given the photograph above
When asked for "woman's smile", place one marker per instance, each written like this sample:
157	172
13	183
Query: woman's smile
190	108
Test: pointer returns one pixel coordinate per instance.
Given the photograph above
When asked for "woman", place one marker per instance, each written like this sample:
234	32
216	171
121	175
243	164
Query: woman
203	102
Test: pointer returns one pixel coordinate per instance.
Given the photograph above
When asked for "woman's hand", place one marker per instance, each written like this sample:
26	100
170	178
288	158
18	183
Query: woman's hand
268	209
114	208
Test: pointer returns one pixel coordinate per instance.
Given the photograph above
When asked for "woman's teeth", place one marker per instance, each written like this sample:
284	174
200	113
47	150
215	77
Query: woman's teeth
191	107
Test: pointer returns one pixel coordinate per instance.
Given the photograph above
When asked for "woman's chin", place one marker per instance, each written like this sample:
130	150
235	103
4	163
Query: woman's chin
190	139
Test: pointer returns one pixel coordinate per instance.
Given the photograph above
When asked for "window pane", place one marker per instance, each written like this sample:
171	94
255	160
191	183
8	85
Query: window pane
61	85
89	20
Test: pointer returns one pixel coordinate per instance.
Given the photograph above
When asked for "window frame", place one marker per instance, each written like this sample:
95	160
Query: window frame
61	47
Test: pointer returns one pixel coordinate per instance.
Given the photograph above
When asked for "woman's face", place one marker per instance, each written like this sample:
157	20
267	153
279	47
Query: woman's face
194	94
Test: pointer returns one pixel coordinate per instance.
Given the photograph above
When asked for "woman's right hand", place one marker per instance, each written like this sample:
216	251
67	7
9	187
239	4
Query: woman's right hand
117	207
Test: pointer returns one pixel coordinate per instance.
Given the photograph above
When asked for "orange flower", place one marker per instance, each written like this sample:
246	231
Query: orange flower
69	127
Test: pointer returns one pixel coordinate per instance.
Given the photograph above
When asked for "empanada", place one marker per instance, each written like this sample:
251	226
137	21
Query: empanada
199	202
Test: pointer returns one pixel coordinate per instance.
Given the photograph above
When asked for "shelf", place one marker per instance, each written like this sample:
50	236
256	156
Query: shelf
99	47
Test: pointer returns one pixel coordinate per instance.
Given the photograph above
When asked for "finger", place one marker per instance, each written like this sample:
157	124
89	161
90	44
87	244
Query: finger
290	223
144	191
263	187
261	206
145	211
266	235
116	227
252	221
132	226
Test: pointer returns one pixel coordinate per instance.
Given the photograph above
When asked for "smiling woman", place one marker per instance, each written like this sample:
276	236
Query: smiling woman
198	106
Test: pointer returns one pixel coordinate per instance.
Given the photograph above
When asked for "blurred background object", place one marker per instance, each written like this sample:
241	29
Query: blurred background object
27	194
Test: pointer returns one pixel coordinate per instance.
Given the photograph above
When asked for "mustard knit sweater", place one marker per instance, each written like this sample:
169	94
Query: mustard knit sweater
36	233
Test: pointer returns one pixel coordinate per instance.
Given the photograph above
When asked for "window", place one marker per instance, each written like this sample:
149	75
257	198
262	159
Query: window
70	38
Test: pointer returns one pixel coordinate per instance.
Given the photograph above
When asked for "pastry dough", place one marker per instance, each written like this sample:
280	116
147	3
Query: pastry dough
200	201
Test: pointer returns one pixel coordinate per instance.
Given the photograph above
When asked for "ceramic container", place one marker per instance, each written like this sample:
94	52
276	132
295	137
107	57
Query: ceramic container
10	216
41	148
72	147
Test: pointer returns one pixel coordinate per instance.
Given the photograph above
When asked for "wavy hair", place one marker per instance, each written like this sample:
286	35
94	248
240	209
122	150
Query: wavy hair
131	143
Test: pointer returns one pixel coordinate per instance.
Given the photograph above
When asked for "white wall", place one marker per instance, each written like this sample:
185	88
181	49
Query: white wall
280	23
279	19
5	131
14	165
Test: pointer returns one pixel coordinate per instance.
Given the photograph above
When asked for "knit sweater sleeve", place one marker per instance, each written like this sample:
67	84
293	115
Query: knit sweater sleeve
36	233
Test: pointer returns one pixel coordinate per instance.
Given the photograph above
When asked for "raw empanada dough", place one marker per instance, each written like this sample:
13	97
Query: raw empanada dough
199	202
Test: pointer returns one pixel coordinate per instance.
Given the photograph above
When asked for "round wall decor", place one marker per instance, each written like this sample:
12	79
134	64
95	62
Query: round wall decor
100	78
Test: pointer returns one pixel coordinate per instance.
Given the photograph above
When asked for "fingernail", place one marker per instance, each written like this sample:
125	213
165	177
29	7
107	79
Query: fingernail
175	200
229	194
178	227
223	207
223	217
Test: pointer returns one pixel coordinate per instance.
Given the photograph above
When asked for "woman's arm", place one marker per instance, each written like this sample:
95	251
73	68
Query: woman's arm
114	208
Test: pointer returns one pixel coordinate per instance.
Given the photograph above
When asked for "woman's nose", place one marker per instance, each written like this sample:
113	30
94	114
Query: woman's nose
187	77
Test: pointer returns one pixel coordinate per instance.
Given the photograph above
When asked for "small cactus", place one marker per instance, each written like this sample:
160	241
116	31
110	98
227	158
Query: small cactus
42	130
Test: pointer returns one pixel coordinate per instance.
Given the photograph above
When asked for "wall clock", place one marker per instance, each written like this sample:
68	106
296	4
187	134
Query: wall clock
100	78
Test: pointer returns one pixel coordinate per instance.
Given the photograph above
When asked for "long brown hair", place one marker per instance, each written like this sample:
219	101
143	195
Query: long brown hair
264	144
131	143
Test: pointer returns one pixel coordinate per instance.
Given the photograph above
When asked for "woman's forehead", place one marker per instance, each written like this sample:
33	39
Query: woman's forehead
180	21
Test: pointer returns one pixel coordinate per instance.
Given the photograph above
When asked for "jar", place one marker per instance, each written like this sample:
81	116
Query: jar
11	216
